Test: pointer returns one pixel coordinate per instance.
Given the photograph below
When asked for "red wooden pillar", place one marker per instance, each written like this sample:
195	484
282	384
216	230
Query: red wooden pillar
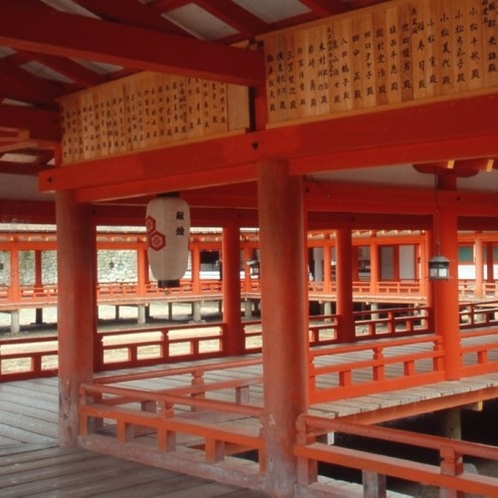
423	270
374	265
77	315
38	284
446	298
234	341
247	268
142	270
346	330
196	268
284	319
490	274
15	280
479	265
327	265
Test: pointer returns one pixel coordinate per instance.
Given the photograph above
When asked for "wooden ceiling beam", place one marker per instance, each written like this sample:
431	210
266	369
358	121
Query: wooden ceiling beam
236	16
78	73
25	26
132	13
459	129
27	211
19	84
42	124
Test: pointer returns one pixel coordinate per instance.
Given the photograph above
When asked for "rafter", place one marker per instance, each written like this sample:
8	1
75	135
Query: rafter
27	27
15	168
18	84
234	15
27	211
132	13
42	124
81	75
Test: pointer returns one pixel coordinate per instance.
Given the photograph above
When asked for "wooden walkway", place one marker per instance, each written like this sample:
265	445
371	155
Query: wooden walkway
31	464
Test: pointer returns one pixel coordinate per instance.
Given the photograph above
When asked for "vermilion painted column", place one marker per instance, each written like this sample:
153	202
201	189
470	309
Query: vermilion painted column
196	269
479	265
234	342
38	283
284	312
142	270
490	275
446	298
247	268
327	266
77	317
346	330
15	284
374	265
422	269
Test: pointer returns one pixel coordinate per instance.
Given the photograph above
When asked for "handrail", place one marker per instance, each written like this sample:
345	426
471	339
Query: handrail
152	345
449	474
46	294
381	367
134	412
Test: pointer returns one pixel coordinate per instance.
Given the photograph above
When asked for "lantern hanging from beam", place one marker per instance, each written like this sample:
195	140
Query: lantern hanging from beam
168	227
439	268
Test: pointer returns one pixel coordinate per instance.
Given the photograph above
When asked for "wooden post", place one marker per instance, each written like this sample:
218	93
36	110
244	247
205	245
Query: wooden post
233	341
327	266
284	312
38	284
479	265
15	280
374	265
196	268
142	270
346	330
490	275
446	298
77	317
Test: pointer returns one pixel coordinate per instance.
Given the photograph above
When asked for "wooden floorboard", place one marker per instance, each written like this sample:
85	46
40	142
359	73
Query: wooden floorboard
70	473
31	464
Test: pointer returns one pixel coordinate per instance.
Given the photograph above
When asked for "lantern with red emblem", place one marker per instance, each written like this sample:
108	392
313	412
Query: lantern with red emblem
168	226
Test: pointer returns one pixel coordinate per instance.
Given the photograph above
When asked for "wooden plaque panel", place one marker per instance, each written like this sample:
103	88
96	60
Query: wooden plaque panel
148	110
396	53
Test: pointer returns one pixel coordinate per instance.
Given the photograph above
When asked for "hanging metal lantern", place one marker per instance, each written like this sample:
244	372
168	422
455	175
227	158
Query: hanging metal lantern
439	268
168	227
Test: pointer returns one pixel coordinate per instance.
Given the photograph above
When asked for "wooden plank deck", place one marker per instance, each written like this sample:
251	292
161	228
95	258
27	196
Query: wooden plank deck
31	463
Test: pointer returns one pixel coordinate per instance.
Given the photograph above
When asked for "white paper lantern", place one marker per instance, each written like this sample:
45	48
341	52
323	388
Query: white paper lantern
168	227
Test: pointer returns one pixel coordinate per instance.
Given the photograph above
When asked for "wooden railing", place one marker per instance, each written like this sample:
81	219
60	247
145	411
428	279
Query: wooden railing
449	474
347	371
32	357
28	358
111	416
46	295
479	314
479	352
156	345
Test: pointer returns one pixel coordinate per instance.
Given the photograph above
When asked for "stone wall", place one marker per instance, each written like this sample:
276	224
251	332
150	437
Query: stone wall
113	266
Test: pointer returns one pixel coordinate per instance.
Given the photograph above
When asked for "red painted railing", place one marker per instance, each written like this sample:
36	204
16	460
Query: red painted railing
32	357
347	371
449	474
116	292
112	415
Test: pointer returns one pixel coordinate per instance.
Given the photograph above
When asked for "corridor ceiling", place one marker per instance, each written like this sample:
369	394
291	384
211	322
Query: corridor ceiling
53	48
